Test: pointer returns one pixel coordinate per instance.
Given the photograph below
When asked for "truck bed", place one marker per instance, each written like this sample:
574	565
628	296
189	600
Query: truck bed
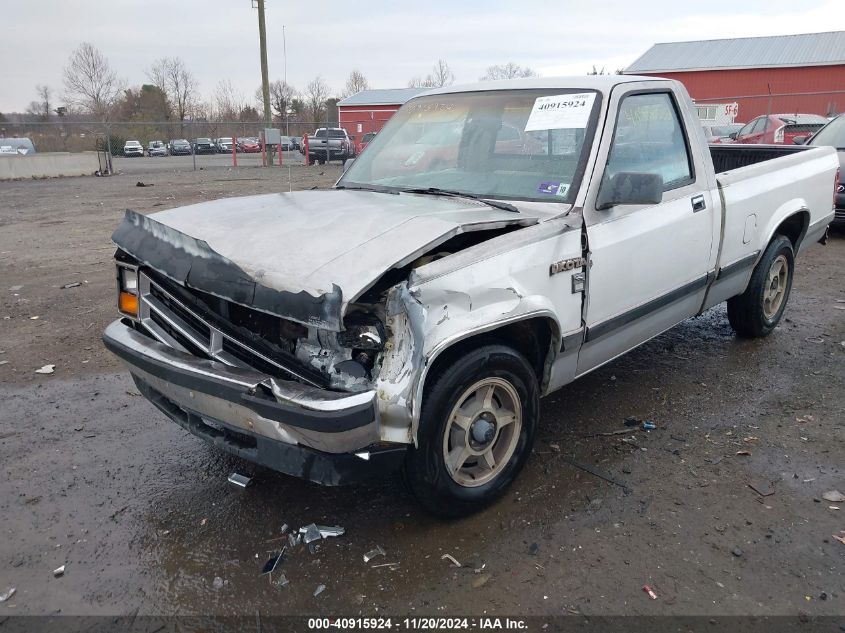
759	185
729	156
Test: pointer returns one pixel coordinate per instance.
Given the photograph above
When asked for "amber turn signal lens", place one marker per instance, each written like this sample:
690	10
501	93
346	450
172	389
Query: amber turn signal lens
128	304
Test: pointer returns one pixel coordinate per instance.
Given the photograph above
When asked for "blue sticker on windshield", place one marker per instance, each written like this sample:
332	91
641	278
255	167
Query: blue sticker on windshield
549	188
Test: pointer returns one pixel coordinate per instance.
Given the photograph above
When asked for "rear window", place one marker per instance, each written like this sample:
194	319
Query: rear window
16	146
321	133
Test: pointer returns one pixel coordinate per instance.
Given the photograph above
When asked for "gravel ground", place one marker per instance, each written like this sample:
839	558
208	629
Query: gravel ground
141	514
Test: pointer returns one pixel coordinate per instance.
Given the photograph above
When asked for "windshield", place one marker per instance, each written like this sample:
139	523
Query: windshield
512	144
833	134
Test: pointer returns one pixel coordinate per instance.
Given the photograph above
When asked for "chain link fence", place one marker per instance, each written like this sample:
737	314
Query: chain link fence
144	146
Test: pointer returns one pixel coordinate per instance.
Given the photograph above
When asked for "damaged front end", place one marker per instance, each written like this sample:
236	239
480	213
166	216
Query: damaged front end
307	383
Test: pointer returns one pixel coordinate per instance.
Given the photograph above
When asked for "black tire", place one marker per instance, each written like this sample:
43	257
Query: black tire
425	471
747	313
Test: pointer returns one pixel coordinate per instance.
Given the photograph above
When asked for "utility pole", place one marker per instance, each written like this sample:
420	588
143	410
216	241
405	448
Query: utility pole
265	80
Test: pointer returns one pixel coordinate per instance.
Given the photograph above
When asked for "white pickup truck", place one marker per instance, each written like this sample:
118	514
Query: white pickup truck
494	243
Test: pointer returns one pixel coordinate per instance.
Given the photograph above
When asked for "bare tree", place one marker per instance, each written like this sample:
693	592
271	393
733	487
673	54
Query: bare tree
228	101
440	76
43	106
171	76
356	82
281	97
316	93
90	82
507	71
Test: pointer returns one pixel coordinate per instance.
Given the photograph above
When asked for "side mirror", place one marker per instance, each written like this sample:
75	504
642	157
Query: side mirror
347	164
732	136
800	140
630	188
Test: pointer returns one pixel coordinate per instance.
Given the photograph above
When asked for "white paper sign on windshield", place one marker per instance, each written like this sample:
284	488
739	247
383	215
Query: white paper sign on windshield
560	112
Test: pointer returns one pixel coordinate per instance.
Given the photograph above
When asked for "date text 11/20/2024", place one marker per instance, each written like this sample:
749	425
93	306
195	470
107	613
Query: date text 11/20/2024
419	624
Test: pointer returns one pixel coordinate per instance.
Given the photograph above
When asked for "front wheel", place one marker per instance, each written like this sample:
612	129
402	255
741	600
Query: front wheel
758	310
477	426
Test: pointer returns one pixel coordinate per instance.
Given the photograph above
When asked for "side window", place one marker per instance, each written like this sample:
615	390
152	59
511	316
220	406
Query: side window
649	138
746	129
759	125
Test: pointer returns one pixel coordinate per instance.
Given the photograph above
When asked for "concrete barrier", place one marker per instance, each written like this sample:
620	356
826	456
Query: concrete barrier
48	165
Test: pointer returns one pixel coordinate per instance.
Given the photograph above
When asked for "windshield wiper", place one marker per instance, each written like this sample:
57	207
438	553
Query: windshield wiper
435	191
376	188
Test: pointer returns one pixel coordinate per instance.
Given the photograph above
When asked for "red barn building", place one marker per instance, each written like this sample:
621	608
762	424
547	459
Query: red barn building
369	110
764	75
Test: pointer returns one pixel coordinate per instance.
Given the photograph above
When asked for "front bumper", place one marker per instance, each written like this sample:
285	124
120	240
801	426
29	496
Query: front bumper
323	436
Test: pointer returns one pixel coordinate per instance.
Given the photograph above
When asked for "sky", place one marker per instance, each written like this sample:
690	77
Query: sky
390	42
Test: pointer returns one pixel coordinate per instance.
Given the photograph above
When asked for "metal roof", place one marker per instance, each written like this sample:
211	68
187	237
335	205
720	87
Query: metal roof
390	96
601	83
808	49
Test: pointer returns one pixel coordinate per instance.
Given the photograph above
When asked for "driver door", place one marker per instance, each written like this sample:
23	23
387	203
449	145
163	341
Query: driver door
648	263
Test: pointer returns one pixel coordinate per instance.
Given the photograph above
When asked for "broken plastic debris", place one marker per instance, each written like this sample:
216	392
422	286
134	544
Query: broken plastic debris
293	539
47	369
11	592
59	571
648	425
272	563
650	592
451	558
327	531
74	284
281	581
311	532
240	480
320	589
378	551
285	528
396	564
834	496
218	582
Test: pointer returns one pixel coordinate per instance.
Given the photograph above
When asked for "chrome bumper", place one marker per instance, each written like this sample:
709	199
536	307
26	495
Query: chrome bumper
244	400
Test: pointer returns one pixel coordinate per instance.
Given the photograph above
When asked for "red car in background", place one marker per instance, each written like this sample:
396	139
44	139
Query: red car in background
778	129
365	140
249	145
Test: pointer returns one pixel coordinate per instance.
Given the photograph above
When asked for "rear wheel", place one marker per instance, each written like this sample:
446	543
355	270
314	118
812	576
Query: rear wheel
758	310
477	427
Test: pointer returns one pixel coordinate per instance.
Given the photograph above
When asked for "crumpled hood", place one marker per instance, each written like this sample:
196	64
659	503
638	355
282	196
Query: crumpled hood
303	255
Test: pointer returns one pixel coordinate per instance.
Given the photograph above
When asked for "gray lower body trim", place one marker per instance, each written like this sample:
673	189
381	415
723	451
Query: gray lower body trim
606	327
738	266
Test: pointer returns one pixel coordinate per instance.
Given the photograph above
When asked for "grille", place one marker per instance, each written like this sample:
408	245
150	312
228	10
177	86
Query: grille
172	322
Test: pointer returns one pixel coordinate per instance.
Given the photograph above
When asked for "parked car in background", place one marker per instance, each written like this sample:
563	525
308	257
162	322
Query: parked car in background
721	133
179	147
323	147
287	143
204	146
156	148
832	135
16	146
295	143
248	145
774	129
223	145
133	148
365	140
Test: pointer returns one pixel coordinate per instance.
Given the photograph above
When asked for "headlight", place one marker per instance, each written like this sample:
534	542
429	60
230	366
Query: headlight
127	291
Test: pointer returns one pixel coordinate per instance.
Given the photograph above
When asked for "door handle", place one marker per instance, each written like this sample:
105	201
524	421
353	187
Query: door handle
698	204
